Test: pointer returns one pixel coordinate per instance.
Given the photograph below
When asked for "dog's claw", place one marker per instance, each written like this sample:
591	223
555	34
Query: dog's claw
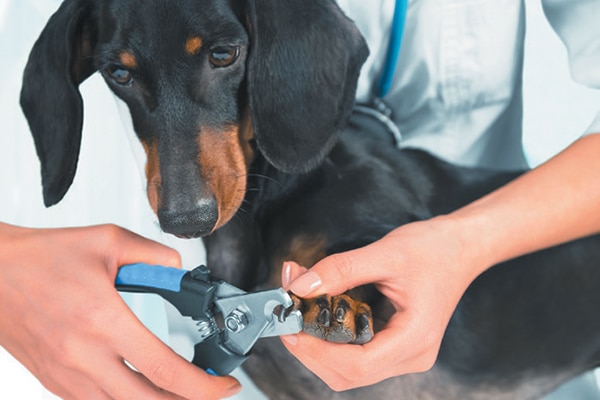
339	319
340	313
324	318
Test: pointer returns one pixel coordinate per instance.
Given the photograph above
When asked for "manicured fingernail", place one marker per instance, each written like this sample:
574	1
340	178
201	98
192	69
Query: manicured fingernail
292	340
287	275
306	284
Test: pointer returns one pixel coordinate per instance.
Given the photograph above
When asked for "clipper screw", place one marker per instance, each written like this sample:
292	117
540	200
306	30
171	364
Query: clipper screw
236	321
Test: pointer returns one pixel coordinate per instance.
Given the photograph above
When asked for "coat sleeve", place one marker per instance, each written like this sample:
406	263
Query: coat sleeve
577	23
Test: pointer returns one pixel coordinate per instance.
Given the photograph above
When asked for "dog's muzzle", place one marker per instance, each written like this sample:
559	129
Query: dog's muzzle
188	223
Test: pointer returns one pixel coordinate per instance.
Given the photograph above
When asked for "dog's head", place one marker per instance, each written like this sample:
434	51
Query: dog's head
209	84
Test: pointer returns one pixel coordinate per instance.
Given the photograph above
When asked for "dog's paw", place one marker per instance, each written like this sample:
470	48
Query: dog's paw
339	319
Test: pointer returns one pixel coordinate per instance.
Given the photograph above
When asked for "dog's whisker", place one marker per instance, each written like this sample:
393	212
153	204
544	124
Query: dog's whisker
245	202
265	177
243	216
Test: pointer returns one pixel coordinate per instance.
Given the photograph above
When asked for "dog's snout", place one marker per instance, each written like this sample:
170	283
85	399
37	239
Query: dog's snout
190	222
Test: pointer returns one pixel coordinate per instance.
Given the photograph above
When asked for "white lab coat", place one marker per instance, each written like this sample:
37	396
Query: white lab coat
467	85
458	87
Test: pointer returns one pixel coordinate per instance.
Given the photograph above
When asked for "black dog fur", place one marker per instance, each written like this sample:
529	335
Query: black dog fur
522	328
265	126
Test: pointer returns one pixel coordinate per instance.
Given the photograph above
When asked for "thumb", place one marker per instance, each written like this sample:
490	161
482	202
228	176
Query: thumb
290	271
129	247
338	273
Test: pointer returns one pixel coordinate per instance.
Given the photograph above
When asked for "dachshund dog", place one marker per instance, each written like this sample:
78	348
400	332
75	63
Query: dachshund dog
245	110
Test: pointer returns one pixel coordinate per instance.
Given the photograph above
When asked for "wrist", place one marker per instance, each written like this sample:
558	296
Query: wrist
470	230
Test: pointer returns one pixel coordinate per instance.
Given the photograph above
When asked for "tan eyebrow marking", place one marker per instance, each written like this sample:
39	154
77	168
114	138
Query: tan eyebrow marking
128	59
193	45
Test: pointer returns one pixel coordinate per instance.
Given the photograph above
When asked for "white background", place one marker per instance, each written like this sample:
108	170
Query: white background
109	185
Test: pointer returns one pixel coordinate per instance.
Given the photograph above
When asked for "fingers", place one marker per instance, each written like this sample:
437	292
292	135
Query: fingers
124	383
82	330
334	363
121	247
348	366
159	367
339	272
166	369
290	272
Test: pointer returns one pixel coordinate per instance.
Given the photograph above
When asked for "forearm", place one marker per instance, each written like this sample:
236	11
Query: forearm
423	268
557	202
6	229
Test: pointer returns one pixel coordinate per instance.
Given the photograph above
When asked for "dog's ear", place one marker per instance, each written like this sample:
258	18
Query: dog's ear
60	60
303	66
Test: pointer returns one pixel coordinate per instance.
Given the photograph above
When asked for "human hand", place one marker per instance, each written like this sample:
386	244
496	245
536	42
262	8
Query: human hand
423	269
61	317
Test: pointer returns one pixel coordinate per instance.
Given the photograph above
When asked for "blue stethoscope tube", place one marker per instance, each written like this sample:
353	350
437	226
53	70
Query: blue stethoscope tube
393	52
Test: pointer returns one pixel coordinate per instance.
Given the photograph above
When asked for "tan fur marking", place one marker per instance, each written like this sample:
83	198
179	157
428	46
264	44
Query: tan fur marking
153	176
128	59
246	135
224	167
193	45
307	250
304	249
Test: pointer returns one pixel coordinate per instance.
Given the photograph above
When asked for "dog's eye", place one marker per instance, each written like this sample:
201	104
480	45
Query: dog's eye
221	57
120	76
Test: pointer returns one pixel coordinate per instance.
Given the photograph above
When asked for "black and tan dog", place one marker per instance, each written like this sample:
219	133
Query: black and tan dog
243	107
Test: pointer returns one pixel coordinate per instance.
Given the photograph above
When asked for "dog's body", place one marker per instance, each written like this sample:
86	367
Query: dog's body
521	329
238	105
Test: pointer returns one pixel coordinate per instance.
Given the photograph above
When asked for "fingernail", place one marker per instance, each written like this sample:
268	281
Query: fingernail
306	284
292	340
286	276
232	391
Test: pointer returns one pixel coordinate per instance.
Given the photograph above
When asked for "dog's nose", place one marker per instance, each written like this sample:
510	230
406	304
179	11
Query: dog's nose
190	222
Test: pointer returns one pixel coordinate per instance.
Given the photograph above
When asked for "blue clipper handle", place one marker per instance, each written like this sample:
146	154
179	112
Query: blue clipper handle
150	276
191	292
